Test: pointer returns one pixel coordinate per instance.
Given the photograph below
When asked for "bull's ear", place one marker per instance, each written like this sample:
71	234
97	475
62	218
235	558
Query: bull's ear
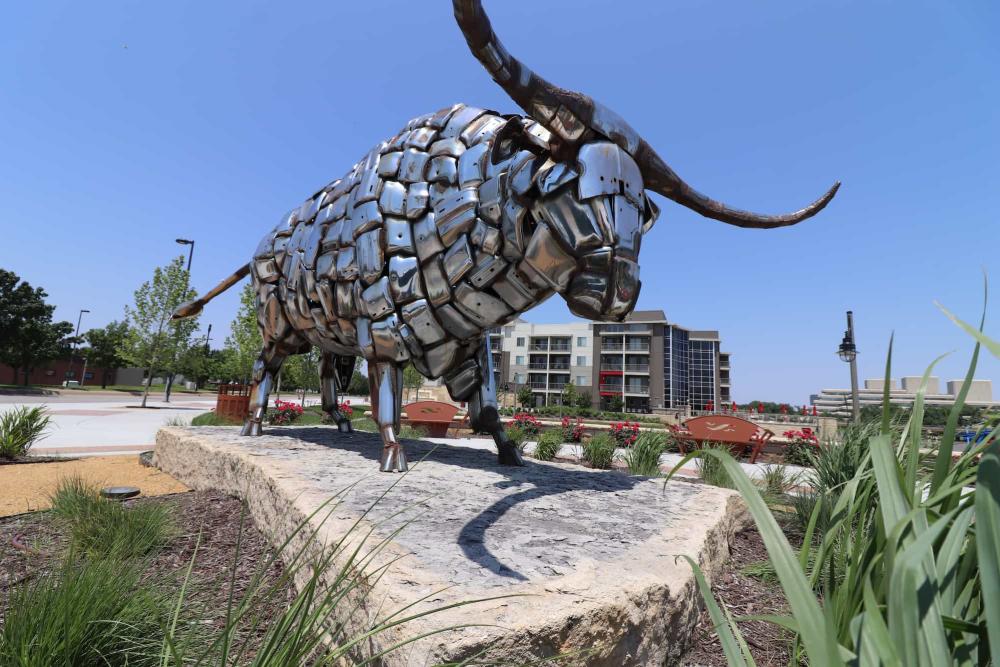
519	134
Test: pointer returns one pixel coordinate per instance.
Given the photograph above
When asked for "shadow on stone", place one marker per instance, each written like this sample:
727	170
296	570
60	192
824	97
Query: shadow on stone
541	479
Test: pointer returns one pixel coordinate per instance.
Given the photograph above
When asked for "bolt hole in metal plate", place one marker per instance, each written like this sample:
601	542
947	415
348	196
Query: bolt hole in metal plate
119	492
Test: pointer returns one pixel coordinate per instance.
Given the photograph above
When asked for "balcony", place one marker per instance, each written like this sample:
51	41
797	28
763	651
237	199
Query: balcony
557	386
611	346
538	366
616	388
535	346
637	347
640	389
637	368
559	366
537	385
612	367
560	347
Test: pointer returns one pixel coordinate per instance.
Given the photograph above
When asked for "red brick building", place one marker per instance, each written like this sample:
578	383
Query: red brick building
55	372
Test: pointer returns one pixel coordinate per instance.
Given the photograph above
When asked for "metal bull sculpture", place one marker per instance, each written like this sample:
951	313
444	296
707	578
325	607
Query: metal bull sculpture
455	225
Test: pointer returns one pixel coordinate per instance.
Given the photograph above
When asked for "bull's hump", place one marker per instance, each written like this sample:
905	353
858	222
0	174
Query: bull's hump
397	259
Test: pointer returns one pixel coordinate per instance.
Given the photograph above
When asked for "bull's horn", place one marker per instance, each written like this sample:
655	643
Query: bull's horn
570	115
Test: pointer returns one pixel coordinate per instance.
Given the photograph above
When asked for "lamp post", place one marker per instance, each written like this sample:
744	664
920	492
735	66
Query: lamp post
190	252
848	352
76	337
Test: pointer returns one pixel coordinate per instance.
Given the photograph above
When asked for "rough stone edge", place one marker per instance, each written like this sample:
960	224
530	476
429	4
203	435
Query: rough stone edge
620	631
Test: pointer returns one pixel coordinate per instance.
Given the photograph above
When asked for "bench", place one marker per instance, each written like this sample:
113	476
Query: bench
433	416
739	434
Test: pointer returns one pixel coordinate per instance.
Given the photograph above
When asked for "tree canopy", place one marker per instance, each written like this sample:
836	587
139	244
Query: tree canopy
104	348
28	336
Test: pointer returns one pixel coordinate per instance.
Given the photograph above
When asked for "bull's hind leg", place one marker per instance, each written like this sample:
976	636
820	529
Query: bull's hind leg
335	375
387	397
265	369
484	417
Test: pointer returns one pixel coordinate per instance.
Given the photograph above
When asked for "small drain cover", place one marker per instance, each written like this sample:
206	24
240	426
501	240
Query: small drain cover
120	492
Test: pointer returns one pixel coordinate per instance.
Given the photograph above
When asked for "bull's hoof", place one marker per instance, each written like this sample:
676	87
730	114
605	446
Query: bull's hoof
251	427
393	459
509	456
345	426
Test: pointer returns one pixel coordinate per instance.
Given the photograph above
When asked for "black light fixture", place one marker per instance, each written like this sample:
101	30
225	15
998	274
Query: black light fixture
848	353
190	252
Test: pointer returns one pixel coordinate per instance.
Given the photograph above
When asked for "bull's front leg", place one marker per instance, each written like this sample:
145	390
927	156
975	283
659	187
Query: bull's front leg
387	397
333	370
484	415
264	371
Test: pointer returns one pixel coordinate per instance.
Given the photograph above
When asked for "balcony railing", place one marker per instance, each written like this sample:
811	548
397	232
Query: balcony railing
617	388
560	347
637	347
612	367
637	389
559	366
637	368
557	386
538	366
611	347
537	385
539	347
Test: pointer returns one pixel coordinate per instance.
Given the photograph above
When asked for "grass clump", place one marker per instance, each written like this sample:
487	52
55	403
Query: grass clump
212	419
88	612
518	436
548	445
777	482
907	569
21	428
599	451
101	528
643	457
412	432
710	468
364	424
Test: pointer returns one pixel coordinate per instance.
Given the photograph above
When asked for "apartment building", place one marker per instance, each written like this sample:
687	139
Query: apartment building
646	363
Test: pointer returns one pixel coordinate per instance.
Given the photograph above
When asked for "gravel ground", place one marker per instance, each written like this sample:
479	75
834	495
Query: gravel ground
33	544
26	486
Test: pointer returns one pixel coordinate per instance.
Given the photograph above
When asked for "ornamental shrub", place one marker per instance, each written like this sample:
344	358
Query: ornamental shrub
624	433
526	422
284	413
548	445
572	431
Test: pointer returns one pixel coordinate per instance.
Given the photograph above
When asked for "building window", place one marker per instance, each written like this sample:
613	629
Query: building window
518	378
581	341
581	361
581	380
520	341
507	332
519	360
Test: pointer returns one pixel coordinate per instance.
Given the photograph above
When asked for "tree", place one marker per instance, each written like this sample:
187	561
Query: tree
525	396
104	349
616	404
301	372
359	385
28	336
153	340
583	399
569	394
412	380
244	339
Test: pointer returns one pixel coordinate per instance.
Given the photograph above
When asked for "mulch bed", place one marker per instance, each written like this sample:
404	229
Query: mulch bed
743	596
34	544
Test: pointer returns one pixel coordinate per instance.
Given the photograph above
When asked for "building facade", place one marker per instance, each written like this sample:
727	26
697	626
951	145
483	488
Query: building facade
838	401
645	363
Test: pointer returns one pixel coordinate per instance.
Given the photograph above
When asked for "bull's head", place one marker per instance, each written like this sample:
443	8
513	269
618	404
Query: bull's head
588	236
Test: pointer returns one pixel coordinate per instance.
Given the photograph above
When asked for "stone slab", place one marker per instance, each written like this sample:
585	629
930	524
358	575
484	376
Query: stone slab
590	556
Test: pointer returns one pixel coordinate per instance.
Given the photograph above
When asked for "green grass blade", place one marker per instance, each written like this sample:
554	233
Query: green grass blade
949	555
734	656
817	637
876	642
886	421
915	432
893	503
990	344
914	613
988	541
943	461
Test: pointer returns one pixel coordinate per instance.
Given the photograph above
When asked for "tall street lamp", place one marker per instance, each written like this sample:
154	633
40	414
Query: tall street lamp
848	352
76	339
188	242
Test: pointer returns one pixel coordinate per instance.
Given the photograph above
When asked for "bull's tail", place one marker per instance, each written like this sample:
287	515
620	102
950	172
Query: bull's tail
192	308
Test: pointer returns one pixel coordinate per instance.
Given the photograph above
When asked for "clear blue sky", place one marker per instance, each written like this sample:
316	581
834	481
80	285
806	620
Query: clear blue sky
124	125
